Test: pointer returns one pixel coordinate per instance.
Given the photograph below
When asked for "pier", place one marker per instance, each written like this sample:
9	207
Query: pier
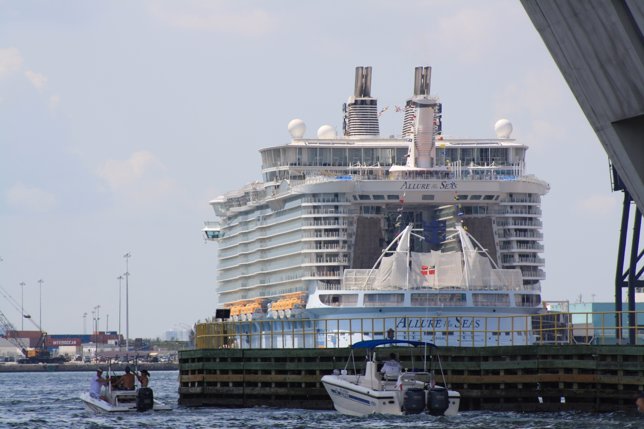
582	364
513	378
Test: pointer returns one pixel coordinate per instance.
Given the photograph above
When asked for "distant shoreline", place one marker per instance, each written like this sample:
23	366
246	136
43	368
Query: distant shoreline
77	367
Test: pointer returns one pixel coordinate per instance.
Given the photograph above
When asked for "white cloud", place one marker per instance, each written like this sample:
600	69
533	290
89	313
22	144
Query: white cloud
139	179
37	80
214	16
10	61
30	198
603	205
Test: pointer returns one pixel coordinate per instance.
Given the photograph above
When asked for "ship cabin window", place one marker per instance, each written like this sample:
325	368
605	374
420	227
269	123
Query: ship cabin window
339	157
475	197
467	156
393	197
379	197
491	299
461	197
337	300
428	197
370	210
383	299
499	156
438	299
364	197
401	156
527	300
488	197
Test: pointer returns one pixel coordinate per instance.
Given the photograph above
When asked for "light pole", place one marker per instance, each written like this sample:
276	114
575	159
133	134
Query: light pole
40	282
85	323
22	306
96	311
119	278
127	256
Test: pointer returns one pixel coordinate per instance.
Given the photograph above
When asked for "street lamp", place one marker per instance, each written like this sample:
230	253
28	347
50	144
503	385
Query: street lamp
40	282
22	306
127	256
119	278
85	323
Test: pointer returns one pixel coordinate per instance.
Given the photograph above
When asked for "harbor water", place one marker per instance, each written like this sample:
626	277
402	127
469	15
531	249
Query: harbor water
50	400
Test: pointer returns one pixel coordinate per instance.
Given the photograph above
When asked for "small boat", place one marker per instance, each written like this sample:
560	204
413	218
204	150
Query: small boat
118	401
412	392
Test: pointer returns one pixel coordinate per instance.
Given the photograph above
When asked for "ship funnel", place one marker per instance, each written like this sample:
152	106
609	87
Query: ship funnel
363	82
361	111
422	121
422	80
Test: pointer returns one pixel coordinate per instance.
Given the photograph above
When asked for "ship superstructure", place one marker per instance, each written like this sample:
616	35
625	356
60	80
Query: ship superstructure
328	206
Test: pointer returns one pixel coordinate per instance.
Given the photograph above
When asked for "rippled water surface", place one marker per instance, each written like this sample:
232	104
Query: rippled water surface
50	400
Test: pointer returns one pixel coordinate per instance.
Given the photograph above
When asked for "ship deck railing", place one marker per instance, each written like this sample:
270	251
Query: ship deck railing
590	328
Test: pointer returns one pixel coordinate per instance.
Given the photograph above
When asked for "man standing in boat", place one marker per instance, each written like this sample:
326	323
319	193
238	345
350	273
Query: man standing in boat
126	381
143	377
97	382
391	368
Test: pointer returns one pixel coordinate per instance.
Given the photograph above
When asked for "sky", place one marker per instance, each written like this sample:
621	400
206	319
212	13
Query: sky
119	121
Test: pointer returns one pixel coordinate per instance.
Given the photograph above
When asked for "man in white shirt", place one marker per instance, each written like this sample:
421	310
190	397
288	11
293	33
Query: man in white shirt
391	368
95	385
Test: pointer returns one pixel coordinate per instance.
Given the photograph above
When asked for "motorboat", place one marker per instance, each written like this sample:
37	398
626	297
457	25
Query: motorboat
117	401
409	392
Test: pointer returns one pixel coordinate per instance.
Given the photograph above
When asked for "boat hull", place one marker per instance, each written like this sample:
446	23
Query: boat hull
356	400
118	403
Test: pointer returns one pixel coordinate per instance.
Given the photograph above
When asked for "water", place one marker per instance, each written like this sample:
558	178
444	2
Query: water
50	400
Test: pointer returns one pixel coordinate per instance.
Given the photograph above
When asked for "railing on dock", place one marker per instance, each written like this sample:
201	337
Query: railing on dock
592	328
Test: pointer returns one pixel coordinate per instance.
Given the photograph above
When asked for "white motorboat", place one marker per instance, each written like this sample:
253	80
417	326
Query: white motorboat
412	392
113	400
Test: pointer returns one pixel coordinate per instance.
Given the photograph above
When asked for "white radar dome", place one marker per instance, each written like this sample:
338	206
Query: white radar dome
327	132
297	128
503	128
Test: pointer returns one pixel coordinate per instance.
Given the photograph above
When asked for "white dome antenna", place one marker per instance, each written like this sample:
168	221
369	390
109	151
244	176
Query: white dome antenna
327	132
297	128
503	128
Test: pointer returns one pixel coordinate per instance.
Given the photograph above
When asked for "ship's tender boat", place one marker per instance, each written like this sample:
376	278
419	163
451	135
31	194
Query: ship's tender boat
411	392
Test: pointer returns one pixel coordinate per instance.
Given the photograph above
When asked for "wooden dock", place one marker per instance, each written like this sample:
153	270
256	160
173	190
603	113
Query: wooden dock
519	378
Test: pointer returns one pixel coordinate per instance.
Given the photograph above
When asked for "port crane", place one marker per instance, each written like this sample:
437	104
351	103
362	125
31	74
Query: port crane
37	354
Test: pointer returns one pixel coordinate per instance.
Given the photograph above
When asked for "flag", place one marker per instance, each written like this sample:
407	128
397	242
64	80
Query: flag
402	198
428	270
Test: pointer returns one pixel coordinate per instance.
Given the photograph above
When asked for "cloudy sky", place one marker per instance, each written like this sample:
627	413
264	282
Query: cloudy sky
119	121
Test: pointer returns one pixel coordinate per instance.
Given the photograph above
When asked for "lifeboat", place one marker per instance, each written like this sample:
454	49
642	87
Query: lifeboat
288	305
252	310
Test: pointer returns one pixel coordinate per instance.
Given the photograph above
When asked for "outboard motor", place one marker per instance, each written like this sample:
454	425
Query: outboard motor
414	401
144	399
437	401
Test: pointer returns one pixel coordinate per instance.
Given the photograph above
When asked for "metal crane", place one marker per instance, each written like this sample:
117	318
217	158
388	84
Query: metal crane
37	354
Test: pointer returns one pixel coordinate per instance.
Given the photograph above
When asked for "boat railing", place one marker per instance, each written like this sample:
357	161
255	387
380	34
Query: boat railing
467	330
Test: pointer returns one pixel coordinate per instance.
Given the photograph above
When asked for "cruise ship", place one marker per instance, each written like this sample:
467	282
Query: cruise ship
354	235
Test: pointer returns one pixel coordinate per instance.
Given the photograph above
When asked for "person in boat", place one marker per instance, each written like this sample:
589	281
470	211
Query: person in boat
97	382
126	381
143	377
391	368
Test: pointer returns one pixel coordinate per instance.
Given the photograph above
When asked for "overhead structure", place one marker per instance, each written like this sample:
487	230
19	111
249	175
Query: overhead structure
599	48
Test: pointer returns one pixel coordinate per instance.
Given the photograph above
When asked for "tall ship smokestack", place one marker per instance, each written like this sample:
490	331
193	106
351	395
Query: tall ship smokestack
422	120
361	110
